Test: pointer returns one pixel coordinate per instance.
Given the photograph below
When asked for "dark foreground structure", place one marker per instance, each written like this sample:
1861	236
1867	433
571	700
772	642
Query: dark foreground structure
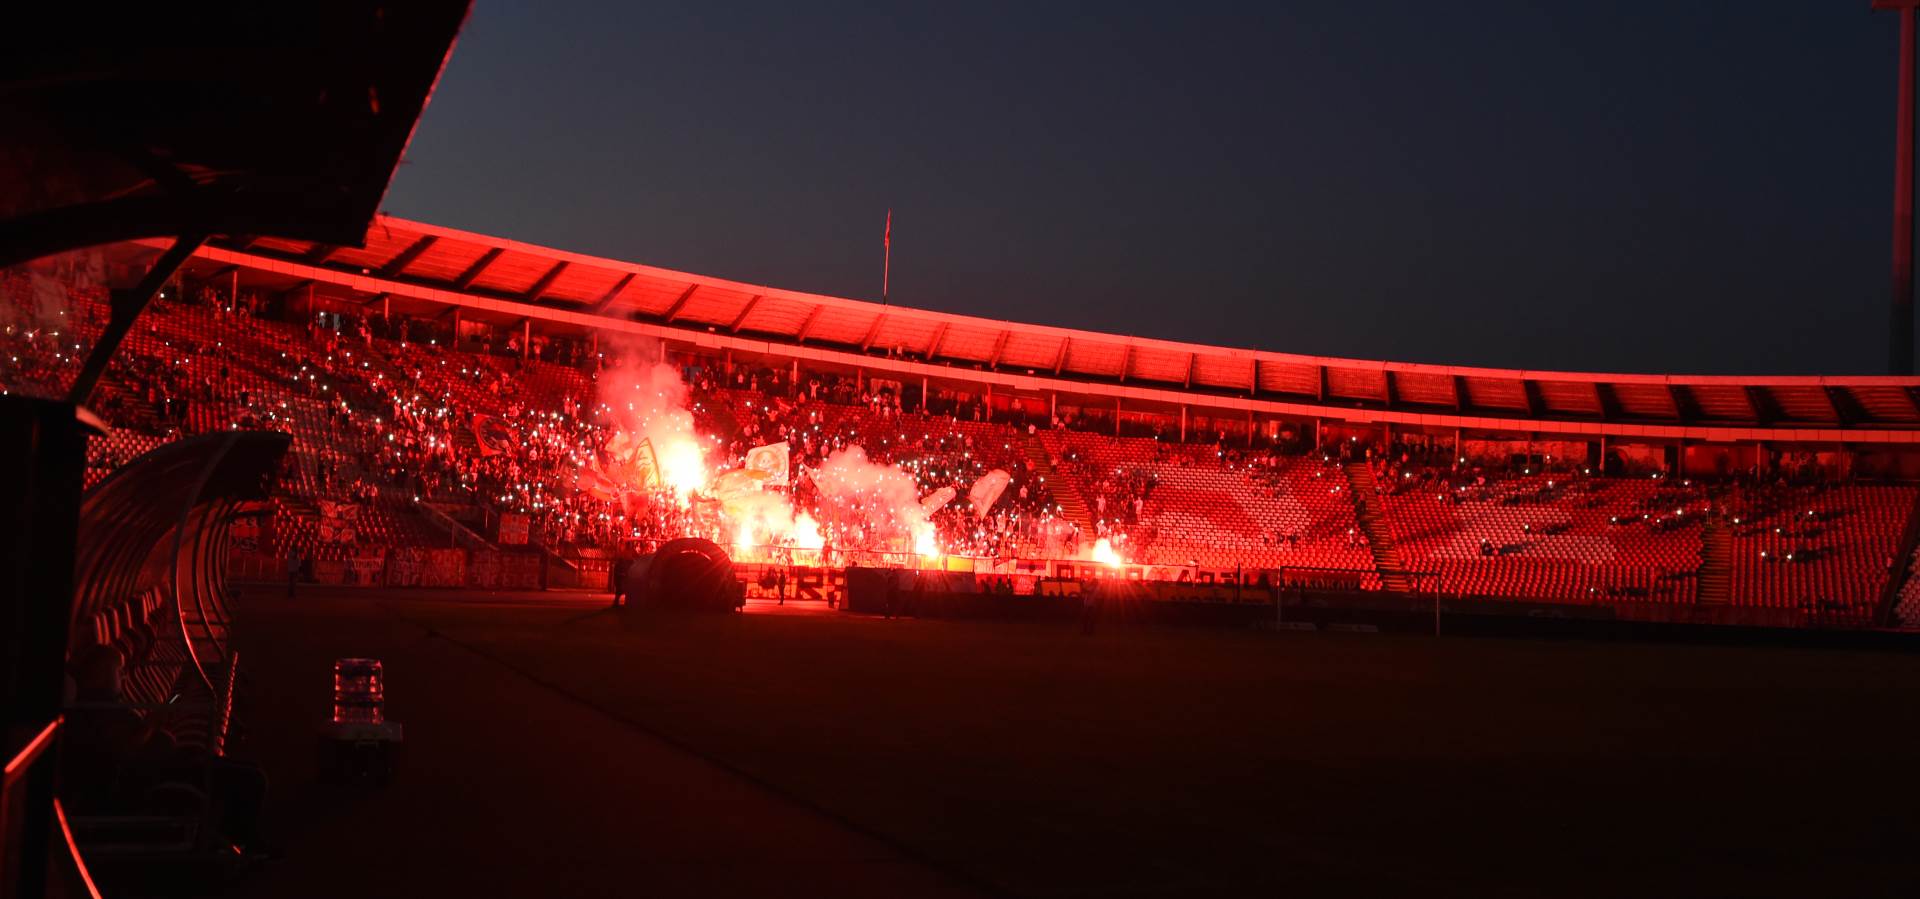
149	123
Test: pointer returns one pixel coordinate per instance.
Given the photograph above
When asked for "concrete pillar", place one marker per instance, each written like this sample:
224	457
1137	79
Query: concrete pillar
526	339
1183	424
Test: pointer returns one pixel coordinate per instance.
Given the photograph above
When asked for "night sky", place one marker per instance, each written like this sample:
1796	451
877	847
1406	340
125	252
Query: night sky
1631	186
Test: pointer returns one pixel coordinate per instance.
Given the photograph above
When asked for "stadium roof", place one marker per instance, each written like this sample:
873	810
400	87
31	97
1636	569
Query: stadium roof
507	282
151	119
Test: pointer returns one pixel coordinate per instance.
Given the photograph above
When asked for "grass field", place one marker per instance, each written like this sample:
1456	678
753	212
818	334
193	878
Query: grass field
1033	760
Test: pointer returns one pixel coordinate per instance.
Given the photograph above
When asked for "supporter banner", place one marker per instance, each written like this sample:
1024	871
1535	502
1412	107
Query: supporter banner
491	570
338	521
244	534
771	462
513	529
366	570
329	571
492	435
443	568
404	566
987	490
483	569
520	571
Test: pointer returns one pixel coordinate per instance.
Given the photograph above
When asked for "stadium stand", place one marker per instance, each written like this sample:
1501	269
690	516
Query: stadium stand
413	432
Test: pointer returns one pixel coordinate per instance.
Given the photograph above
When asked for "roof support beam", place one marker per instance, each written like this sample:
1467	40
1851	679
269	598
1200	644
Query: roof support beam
999	348
478	267
1391	390
1191	359
873	332
601	305
319	253
1913	398
1765	410
1843	406
1459	385
679	304
1535	402
933	346
1684	403
1253	376
1060	358
539	287
1608	400
123	307
399	263
1126	360
1320	389
745	311
806	327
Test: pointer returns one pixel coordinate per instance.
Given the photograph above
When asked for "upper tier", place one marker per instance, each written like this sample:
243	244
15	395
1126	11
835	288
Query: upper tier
422	267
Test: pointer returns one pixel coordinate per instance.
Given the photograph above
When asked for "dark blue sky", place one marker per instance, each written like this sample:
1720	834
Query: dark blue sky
1638	186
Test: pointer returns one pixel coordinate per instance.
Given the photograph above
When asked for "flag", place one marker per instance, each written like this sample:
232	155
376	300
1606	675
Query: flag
646	465
987	490
938	499
771	462
491	435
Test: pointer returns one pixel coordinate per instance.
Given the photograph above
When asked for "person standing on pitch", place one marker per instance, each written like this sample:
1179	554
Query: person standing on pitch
294	564
617	574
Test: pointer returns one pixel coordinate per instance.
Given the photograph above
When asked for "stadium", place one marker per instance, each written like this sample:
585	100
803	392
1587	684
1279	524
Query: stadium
990	607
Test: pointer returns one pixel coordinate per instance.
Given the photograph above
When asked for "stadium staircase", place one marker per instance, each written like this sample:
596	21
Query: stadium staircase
1386	556
1066	494
1716	564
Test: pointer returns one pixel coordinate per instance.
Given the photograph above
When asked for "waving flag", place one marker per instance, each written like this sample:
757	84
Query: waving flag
771	462
492	435
938	499
987	490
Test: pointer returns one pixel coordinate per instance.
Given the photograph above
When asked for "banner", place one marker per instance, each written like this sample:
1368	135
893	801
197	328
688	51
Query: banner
403	566
987	490
492	435
513	529
771	461
444	568
337	521
365	569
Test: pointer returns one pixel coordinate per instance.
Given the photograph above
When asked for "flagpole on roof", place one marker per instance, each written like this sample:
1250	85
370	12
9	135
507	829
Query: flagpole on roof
886	256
